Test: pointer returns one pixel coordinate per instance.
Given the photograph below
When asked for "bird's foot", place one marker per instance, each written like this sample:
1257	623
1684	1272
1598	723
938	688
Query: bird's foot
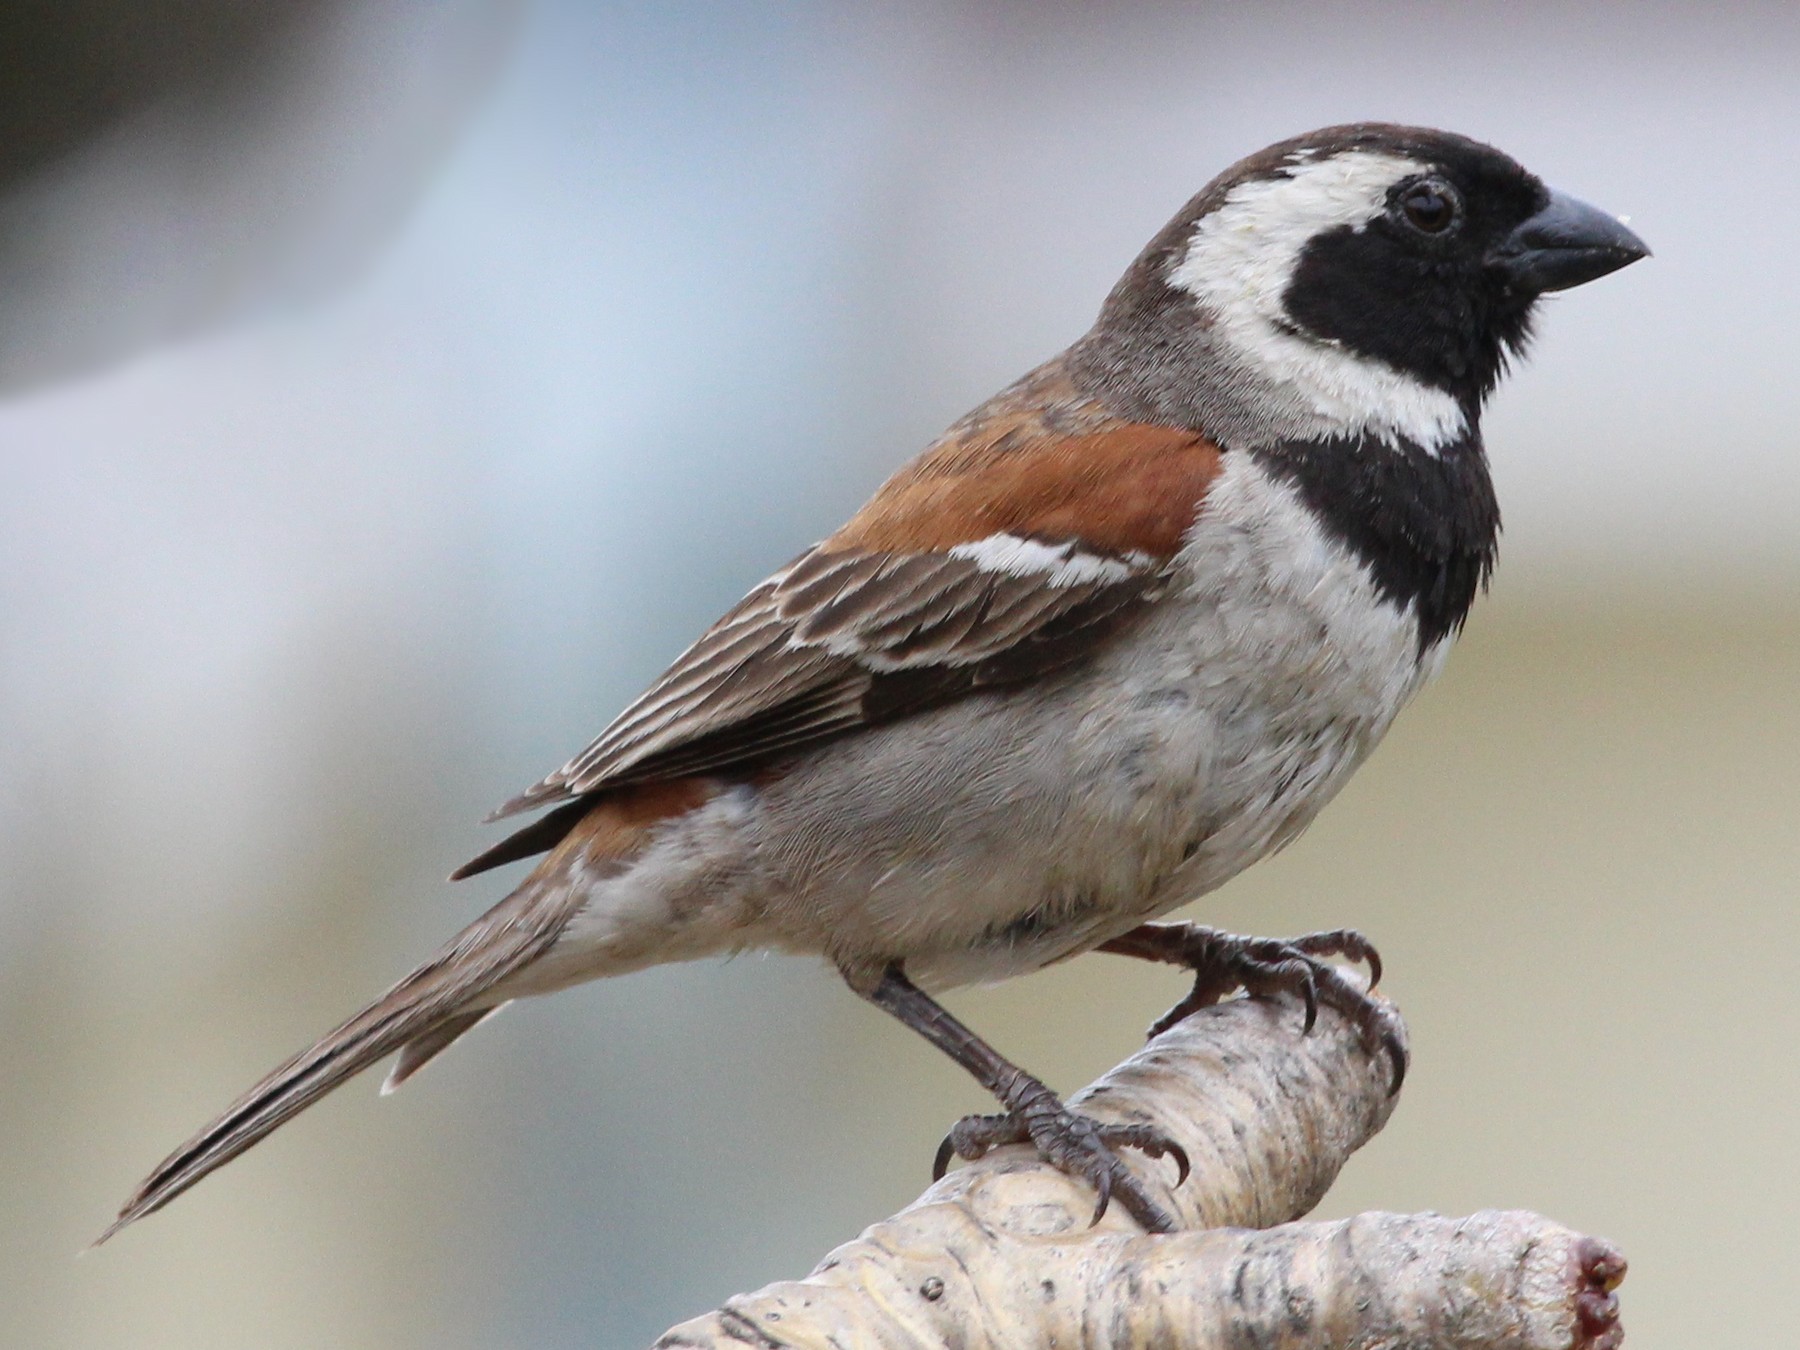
1226	962
1077	1145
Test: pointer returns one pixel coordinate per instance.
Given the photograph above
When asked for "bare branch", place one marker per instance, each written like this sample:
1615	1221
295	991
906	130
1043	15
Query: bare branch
1000	1254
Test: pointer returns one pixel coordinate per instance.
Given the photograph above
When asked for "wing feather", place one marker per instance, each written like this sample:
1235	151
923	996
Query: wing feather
840	640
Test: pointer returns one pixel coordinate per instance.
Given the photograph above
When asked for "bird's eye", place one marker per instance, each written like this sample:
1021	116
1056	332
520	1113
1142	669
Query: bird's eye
1429	206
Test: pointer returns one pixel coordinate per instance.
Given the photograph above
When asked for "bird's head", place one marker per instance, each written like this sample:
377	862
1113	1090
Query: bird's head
1360	280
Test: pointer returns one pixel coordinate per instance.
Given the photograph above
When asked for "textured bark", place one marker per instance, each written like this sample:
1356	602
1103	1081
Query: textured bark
1000	1254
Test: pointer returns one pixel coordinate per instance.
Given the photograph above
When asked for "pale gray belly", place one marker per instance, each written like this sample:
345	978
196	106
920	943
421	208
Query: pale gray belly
1009	831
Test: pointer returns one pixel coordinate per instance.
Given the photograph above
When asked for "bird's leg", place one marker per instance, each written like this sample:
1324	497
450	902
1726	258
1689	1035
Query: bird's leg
1225	962
1075	1144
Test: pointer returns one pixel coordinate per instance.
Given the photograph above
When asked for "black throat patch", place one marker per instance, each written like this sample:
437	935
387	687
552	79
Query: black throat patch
1427	526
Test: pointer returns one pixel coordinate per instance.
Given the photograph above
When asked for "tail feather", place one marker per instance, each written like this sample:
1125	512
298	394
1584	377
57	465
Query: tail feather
445	997
430	1007
284	1093
421	1050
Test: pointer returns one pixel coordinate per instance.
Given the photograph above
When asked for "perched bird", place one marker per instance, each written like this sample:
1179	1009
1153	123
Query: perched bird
1122	631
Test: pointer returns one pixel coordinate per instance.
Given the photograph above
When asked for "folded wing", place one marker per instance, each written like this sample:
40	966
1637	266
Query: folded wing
1013	548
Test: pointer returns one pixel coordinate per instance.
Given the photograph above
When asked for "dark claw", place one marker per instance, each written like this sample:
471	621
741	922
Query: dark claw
1150	1141
1374	1020
1103	1185
1309	991
974	1137
1348	943
941	1163
1390	1041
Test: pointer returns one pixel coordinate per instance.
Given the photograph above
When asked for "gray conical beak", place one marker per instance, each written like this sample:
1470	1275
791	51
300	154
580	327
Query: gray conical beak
1566	244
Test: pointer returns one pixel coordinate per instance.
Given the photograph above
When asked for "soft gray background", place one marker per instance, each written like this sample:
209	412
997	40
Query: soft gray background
390	388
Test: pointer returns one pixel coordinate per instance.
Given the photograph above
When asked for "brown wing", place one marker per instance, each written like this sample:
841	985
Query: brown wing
844	640
1009	550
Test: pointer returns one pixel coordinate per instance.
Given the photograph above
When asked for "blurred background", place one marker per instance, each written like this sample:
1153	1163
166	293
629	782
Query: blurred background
388	389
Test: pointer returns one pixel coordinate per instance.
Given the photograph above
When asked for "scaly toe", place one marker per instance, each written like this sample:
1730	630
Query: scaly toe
1149	1141
1076	1145
1345	942
1262	967
974	1137
1378	1023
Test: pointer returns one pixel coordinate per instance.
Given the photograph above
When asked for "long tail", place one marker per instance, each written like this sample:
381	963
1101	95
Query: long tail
422	1014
